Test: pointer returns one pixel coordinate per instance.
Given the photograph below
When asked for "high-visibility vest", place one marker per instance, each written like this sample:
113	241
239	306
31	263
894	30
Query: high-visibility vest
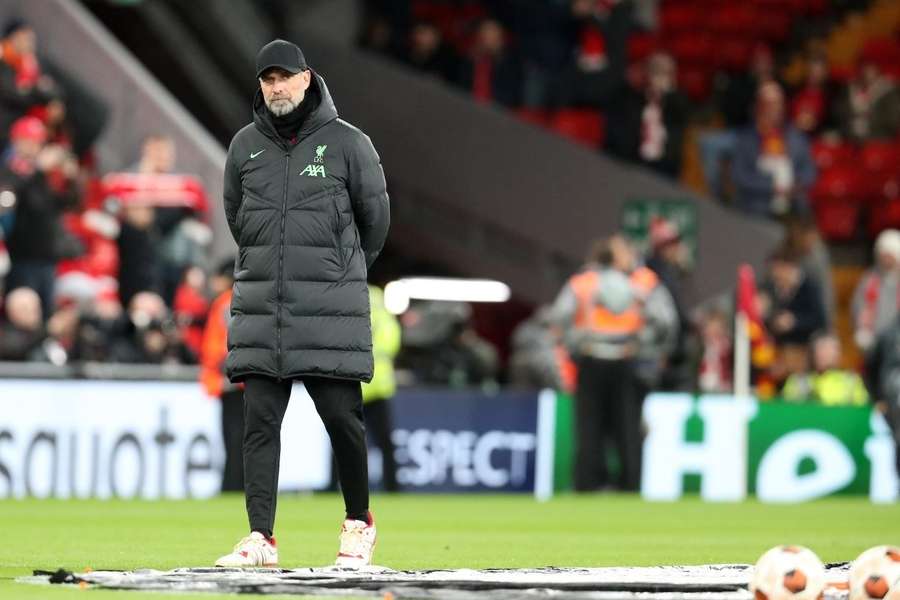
214	347
386	338
598	318
644	280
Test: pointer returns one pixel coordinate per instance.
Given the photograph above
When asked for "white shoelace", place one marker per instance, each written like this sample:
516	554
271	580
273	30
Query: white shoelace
251	543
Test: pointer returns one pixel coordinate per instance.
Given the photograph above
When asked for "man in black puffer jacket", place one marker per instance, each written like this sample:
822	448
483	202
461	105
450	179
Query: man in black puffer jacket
306	202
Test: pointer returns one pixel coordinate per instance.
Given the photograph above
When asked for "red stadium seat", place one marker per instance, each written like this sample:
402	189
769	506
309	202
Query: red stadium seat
814	7
885	52
787	7
681	16
837	220
733	18
842	182
833	154
838	197
696	82
733	52
885	210
535	116
880	161
880	157
775	27
584	126
842	74
641	45
692	48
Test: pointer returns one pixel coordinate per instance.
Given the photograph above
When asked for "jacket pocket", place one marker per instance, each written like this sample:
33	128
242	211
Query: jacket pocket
241	213
338	231
240	271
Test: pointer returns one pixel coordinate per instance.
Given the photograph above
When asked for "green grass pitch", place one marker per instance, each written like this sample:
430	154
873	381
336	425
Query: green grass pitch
422	531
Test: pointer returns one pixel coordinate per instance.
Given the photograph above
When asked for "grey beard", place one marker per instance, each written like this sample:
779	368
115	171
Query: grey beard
282	106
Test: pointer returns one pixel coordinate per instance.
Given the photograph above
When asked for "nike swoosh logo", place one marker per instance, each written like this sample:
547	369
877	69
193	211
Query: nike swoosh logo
255	154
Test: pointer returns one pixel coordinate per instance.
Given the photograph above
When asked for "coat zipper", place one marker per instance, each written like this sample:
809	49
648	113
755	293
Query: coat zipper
287	170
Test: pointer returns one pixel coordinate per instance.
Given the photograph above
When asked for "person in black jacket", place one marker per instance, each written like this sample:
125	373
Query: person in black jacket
794	309
37	239
306	201
646	126
429	54
140	268
492	72
883	381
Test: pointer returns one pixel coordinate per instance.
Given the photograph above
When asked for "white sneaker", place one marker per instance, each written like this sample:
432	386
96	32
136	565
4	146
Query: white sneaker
357	543
252	551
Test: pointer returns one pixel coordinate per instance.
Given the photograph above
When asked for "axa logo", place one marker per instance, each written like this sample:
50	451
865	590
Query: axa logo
318	168
314	171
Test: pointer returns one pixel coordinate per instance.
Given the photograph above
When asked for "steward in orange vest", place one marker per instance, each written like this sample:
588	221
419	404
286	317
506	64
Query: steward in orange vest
609	314
213	351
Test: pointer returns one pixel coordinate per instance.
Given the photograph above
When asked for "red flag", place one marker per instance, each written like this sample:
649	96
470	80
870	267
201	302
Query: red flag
762	349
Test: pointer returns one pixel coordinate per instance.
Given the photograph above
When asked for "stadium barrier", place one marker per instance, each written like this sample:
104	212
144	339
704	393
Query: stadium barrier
157	439
133	439
65	438
726	448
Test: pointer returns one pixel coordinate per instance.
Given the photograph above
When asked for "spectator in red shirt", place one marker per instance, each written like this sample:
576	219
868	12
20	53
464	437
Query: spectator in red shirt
190	309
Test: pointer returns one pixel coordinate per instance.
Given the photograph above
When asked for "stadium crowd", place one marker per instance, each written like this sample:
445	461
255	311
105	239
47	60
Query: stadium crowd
762	104
94	266
113	267
785	110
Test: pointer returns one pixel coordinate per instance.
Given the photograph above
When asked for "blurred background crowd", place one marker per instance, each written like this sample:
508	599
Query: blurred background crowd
95	266
786	110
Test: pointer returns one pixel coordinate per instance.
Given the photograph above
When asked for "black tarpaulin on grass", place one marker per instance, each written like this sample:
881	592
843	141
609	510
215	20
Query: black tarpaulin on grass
725	582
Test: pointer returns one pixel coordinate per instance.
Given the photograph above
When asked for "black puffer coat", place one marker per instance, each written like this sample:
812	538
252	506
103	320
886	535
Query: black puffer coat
309	220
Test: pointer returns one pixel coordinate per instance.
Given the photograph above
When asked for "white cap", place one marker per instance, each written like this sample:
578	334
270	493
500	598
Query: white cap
888	242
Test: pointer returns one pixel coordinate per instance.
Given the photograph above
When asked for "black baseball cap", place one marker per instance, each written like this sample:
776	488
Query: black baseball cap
281	54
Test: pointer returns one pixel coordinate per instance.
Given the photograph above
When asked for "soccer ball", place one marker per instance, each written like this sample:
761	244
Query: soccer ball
788	573
875	574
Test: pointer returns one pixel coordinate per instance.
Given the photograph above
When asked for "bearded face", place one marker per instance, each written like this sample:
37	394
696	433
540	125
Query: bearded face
283	91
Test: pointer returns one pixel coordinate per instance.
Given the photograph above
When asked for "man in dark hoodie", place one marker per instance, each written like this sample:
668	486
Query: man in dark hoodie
306	201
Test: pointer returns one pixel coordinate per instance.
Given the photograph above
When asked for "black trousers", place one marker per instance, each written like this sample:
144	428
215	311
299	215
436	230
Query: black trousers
607	410
233	437
893	419
379	427
339	404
